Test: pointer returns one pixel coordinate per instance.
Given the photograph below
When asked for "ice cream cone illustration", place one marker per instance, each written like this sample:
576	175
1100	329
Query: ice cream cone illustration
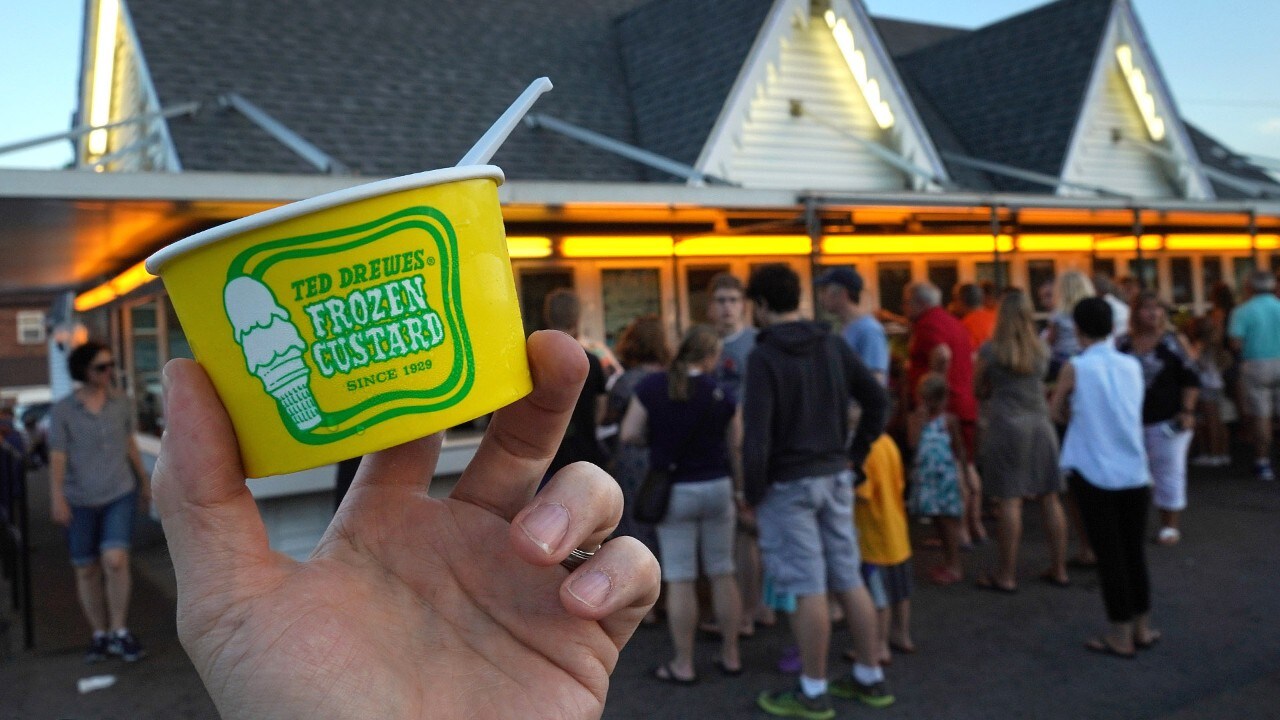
272	349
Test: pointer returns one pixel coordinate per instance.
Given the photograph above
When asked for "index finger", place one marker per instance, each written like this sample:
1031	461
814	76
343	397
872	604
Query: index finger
523	437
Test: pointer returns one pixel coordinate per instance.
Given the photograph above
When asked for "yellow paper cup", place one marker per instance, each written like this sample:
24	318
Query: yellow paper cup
354	321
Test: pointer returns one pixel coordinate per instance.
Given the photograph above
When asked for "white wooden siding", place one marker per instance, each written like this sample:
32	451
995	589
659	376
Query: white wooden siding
775	150
1119	166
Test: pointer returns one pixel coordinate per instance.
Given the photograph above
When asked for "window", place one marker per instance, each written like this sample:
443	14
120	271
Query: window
894	277
944	275
30	327
535	286
1240	269
1106	266
986	272
1180	279
1040	275
697	280
1210	273
1145	271
628	294
146	361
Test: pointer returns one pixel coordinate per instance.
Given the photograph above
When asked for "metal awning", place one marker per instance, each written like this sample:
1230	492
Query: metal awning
68	229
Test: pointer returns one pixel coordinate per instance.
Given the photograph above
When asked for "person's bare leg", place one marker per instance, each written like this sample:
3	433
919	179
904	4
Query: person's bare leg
92	596
963	537
1009	534
747	561
1084	553
860	615
973	507
728	608
900	628
1055	528
949	529
1262	427
812	628
1143	633
883	621
1121	637
682	616
115	565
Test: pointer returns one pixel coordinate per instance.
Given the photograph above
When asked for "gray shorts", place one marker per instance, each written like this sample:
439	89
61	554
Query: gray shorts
1261	381
807	540
699	521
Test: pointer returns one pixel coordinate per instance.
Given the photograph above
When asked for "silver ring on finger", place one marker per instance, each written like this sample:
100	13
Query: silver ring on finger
576	558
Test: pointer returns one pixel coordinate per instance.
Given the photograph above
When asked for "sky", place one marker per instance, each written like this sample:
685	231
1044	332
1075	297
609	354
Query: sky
1219	57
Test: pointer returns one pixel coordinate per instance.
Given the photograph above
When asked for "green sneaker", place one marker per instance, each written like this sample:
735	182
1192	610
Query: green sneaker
876	695
794	703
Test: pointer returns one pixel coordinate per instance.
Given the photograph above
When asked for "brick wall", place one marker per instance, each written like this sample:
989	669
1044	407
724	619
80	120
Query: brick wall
20	364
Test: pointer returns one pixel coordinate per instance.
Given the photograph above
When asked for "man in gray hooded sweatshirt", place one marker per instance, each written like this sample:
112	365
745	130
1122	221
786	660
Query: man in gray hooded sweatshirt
799	468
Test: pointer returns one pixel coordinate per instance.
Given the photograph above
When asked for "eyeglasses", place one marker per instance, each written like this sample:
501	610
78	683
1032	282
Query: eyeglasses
102	367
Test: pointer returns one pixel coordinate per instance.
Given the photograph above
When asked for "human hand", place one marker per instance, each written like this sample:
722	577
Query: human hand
59	510
410	606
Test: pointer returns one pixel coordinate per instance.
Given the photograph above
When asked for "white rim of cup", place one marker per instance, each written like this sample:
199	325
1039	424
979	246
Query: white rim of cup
318	203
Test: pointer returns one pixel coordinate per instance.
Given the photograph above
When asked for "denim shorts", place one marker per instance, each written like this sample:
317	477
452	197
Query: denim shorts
102	527
807	540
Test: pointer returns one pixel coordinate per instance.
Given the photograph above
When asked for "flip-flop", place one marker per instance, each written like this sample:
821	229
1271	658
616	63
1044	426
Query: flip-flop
726	670
664	673
1102	647
1152	639
940	575
1048	577
988	582
898	647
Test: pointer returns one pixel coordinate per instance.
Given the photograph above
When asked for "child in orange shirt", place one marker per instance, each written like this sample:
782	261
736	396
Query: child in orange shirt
880	514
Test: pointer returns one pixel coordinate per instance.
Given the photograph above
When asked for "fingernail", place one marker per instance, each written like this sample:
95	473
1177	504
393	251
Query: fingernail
592	588
546	525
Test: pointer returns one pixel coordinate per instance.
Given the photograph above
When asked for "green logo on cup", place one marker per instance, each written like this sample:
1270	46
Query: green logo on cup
332	341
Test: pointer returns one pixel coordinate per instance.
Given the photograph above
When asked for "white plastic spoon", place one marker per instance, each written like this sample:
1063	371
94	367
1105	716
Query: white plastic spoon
488	144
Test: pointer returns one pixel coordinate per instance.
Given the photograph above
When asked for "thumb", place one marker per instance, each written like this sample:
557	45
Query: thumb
215	534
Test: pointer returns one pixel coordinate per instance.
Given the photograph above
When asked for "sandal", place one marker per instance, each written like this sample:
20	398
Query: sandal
1153	637
1048	577
725	669
1102	647
941	575
989	582
664	673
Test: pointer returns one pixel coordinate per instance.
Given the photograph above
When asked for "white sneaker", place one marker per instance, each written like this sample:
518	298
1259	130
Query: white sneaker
1264	472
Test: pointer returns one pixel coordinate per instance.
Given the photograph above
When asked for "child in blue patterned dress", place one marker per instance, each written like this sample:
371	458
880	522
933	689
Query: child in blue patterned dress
934	434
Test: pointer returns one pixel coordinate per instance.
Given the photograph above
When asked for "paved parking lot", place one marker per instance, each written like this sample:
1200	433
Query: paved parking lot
981	655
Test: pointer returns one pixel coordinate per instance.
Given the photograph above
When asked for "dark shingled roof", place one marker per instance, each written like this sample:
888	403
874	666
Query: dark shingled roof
681	58
1011	91
390	86
1219	157
902	37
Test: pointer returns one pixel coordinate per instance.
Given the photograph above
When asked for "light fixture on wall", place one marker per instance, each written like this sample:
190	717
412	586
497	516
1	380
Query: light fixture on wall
104	60
120	285
1137	82
857	63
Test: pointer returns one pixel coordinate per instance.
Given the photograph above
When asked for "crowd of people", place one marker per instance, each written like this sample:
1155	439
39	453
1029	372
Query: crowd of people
785	440
790	489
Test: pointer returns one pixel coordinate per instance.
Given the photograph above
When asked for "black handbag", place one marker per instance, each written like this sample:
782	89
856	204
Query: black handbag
654	494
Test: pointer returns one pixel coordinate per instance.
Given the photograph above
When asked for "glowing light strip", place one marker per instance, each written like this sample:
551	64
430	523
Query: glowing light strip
104	59
857	63
122	284
911	244
1141	95
580	246
744	245
529	247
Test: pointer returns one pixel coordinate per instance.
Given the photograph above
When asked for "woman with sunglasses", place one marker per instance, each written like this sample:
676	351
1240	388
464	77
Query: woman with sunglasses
96	479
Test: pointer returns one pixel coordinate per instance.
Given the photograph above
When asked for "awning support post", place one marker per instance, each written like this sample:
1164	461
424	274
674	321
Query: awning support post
995	246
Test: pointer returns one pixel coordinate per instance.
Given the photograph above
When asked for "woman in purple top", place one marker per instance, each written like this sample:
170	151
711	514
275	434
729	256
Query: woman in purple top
690	425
